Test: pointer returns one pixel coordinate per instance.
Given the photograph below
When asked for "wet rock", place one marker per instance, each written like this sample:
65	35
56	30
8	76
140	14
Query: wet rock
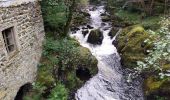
74	29
93	9
113	32
85	32
106	28
84	28
103	24
115	43
105	18
103	14
86	14
90	27
95	37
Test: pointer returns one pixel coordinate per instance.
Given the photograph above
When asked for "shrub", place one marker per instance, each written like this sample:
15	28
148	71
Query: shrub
59	92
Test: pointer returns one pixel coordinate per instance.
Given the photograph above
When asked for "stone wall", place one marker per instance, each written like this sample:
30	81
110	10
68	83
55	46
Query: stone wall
20	67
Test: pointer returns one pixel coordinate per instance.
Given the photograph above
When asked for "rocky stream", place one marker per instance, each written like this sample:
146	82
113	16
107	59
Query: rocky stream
110	82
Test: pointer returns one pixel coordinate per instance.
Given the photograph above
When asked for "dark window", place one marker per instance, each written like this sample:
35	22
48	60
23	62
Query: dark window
9	40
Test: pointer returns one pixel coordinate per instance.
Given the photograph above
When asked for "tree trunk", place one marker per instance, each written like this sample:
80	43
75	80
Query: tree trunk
165	9
70	15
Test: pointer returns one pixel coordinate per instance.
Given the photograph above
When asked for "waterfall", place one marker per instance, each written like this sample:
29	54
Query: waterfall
109	83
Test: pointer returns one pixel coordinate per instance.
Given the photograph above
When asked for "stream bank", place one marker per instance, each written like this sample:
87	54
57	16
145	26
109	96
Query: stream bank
109	83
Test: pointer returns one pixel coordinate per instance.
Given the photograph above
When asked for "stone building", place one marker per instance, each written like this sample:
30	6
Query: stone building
21	37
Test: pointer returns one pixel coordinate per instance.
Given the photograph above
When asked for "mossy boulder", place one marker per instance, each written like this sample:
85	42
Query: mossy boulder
154	86
88	60
95	37
131	45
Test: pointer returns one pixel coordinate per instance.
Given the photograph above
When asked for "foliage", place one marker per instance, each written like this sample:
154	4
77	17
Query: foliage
59	92
54	14
65	50
133	18
160	55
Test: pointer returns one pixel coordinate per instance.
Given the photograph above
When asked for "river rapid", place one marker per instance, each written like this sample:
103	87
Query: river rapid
110	82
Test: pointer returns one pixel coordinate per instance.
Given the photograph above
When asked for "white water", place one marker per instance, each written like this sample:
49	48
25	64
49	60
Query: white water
108	84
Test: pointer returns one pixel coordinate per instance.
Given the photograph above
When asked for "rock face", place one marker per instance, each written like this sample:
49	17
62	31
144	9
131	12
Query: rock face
18	66
95	37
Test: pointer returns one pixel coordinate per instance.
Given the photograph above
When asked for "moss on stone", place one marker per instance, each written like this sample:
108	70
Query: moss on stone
166	67
131	45
95	37
152	84
88	60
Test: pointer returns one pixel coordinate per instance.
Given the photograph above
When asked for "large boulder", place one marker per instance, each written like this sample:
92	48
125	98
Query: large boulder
155	87
131	45
95	37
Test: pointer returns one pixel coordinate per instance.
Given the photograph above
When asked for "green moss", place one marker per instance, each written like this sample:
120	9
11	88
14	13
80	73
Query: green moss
88	60
166	67
152	84
131	45
155	88
95	37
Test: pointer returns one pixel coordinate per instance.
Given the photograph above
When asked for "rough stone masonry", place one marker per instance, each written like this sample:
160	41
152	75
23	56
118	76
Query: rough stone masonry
18	66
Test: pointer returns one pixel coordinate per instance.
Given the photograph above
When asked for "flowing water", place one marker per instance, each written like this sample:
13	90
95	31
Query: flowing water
109	83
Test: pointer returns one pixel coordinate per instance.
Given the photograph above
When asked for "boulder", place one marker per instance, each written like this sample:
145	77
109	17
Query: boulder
95	37
129	45
88	60
103	14
105	18
90	27
74	29
84	28
85	32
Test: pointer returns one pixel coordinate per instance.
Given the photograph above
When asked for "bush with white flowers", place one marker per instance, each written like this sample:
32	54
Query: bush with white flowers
159	56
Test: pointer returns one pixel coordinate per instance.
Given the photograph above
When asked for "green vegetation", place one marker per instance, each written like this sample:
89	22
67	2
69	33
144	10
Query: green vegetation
59	93
143	46
144	42
131	45
132	18
62	56
54	15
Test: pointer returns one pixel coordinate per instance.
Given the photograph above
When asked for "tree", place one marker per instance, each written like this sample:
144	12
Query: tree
71	7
